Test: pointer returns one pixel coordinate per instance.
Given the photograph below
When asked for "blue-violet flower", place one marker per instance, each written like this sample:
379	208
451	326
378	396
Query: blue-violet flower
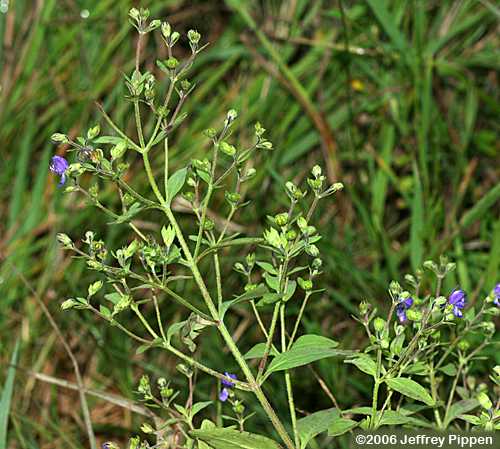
496	294
227	384
457	299
59	165
402	307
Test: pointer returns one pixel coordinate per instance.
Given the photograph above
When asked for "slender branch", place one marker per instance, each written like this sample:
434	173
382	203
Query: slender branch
299	319
288	381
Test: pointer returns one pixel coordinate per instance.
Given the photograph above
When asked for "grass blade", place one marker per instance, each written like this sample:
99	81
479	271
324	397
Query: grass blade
6	397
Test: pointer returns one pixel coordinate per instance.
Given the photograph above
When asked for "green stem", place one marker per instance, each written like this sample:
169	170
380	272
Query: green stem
238	384
375	389
269	341
165	169
278	425
138	124
299	318
136	310
152	182
288	381
206	200
434	394
218	280
452	393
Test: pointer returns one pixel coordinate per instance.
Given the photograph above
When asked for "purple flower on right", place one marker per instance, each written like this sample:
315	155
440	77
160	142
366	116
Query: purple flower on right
496	294
458	300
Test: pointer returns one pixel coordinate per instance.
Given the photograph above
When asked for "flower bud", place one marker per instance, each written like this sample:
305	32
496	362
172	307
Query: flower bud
59	138
463	345
174	38
233	197
231	115
166	29
379	324
64	240
171	63
209	225
146	428
210	133
154	25
134	14
250	287
92	133
316	171
227	148
193	36
363	307
249	174
250	259
281	219
305	284
291	235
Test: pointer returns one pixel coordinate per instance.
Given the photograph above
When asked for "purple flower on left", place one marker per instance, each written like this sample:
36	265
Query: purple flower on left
402	307
457	299
59	166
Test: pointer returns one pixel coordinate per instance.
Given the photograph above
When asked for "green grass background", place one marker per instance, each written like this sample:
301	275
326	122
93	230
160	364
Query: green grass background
408	91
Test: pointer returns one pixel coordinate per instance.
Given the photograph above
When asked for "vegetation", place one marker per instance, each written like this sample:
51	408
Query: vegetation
396	100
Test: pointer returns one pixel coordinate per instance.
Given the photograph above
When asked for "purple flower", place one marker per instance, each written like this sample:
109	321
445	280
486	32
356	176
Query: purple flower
228	383
496	294
59	165
224	393
402	307
457	299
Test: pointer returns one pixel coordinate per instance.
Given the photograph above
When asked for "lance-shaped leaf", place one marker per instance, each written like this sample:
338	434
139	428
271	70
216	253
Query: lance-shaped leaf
314	424
411	389
257	292
175	184
229	438
306	349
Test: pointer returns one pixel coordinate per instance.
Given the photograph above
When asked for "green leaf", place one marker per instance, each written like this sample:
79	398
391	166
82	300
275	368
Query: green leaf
364	363
460	408
393	418
475	420
257	292
314	424
306	349
257	352
450	369
228	438
175	184
199	406
5	399
266	266
411	389
341	426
